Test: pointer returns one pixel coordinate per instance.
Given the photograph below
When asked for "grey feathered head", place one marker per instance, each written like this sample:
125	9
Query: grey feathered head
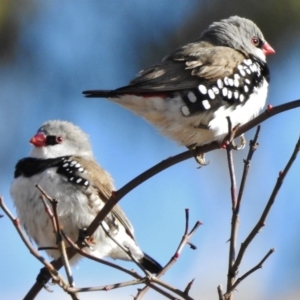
58	138
238	33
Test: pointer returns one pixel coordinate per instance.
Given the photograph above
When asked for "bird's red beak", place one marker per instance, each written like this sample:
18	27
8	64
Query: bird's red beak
267	49
39	140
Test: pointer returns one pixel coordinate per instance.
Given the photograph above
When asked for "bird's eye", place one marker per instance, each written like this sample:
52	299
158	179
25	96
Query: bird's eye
58	139
255	41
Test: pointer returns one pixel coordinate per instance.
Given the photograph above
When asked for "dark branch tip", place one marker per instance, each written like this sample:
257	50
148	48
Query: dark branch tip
192	246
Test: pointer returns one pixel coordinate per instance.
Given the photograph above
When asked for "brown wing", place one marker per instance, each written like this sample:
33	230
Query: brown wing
102	183
186	68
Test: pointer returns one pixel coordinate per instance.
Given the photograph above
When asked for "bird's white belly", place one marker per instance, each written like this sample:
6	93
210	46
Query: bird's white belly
241	114
73	209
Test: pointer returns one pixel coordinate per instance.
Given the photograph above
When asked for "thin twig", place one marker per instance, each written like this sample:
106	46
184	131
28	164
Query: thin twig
184	240
233	236
240	279
220	292
232	241
236	206
232	177
97	259
110	264
56	264
61	245
188	287
261	221
52	271
48	211
171	288
57	231
253	146
107	287
187	219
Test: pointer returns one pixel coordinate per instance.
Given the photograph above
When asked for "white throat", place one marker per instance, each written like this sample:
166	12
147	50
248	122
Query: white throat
260	54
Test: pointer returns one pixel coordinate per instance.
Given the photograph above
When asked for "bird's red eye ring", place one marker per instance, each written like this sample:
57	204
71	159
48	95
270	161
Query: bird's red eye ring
59	139
255	41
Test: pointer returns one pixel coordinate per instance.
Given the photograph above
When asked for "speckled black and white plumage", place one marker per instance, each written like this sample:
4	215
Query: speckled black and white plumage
191	92
62	163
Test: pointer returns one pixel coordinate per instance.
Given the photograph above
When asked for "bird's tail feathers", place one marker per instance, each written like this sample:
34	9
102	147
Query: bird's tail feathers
150	264
100	94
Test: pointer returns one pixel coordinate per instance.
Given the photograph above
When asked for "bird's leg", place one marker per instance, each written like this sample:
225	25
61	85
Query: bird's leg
84	240
199	157
229	139
242	144
43	277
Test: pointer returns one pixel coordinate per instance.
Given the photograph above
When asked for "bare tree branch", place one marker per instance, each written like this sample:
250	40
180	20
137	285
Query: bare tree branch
60	234
253	146
171	288
185	240
233	236
57	231
52	271
240	279
236	205
188	287
261	221
110	264
117	196
107	287
220	292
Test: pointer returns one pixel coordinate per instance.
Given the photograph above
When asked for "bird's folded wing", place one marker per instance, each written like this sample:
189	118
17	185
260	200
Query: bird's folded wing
186	68
102	182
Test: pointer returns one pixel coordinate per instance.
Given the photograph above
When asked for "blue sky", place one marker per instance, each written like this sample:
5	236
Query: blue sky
65	49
